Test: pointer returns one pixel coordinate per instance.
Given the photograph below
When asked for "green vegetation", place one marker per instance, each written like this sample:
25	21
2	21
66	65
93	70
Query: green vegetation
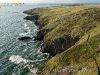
82	22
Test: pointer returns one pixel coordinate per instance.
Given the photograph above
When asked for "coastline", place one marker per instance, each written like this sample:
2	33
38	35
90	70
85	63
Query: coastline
71	35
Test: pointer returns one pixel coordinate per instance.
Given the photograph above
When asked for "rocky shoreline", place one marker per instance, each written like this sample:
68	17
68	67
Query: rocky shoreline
71	35
56	48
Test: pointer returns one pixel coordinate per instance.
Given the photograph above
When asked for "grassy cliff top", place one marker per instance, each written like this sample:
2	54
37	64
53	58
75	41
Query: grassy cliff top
64	20
73	21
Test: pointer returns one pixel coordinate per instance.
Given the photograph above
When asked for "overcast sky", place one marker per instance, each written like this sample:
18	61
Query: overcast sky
50	1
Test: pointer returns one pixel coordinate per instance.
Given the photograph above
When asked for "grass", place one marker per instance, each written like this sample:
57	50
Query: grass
82	22
78	56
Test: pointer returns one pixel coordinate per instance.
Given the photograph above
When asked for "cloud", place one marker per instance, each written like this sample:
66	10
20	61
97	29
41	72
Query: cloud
60	1
50	1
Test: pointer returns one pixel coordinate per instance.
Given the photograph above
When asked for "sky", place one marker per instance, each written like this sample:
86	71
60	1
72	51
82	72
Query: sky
50	1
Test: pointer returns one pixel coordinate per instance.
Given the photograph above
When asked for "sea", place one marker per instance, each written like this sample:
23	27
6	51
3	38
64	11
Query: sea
19	57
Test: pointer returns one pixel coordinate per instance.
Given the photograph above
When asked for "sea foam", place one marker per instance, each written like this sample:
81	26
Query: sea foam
23	34
17	59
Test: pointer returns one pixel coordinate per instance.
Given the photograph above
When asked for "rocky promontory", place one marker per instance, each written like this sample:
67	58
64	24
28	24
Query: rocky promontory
71	34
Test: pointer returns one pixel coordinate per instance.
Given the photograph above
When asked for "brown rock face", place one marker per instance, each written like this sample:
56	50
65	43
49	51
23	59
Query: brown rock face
58	45
67	70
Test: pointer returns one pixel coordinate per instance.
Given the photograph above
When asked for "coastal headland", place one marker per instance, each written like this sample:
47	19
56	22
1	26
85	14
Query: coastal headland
71	34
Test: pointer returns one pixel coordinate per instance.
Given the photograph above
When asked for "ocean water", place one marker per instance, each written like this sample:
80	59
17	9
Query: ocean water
18	57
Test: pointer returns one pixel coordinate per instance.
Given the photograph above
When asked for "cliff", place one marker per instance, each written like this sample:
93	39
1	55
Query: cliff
72	35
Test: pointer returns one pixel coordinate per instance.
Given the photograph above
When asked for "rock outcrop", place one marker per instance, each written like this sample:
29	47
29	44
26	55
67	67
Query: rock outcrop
39	37
31	17
24	38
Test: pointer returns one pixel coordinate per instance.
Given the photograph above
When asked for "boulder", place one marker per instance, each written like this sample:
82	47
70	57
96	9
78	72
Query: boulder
24	38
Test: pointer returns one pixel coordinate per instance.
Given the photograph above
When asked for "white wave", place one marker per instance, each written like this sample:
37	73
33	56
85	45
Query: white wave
23	34
17	59
33	71
29	31
38	60
27	28
25	25
35	30
31	22
13	74
24	50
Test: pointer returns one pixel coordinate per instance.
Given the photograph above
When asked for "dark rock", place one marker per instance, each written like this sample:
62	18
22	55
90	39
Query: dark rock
24	38
59	45
39	37
31	17
36	22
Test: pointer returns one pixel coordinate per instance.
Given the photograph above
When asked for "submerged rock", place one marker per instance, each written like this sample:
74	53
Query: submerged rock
24	38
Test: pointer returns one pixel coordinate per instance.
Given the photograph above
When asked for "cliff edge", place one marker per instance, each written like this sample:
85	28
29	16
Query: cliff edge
72	35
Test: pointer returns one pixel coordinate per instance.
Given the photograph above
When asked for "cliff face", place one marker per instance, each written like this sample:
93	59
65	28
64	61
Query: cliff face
72	34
